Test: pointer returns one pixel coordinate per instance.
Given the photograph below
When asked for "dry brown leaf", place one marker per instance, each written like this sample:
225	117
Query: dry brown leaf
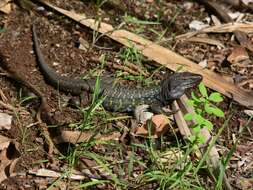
5	6
4	142
79	136
9	156
246	183
172	156
50	173
5	121
113	136
155	128
238	54
72	136
84	45
249	112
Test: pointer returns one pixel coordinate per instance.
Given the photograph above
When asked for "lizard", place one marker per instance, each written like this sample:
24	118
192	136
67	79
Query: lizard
120	98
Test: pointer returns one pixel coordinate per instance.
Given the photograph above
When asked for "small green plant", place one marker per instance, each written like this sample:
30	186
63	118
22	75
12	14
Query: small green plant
131	54
203	105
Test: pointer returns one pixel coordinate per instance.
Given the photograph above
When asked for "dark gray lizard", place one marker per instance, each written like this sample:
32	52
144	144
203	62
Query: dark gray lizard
120	98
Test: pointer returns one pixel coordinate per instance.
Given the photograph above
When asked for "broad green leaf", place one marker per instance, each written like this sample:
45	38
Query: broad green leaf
190	103
193	126
218	112
189	116
195	98
197	129
203	90
202	99
208	108
199	111
215	97
199	119
201	139
192	138
208	124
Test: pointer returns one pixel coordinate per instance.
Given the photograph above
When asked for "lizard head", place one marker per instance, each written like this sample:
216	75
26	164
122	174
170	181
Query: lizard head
176	85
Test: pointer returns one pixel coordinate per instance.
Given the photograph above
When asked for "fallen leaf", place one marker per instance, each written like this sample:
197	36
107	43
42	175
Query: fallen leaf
188	5
4	142
50	173
197	25
238	54
234	15
246	183
249	112
171	157
72	136
5	6
113	136
154	128
246	2
83	136
9	156
5	121
84	45
203	63
215	20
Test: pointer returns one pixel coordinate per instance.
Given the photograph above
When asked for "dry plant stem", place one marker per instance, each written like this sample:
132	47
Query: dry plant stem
214	158
3	97
7	106
223	28
139	70
162	55
181	123
205	40
123	68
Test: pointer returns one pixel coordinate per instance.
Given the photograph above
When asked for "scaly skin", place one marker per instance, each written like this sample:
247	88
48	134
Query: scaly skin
120	98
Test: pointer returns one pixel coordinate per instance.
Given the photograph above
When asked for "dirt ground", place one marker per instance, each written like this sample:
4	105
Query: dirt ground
59	39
